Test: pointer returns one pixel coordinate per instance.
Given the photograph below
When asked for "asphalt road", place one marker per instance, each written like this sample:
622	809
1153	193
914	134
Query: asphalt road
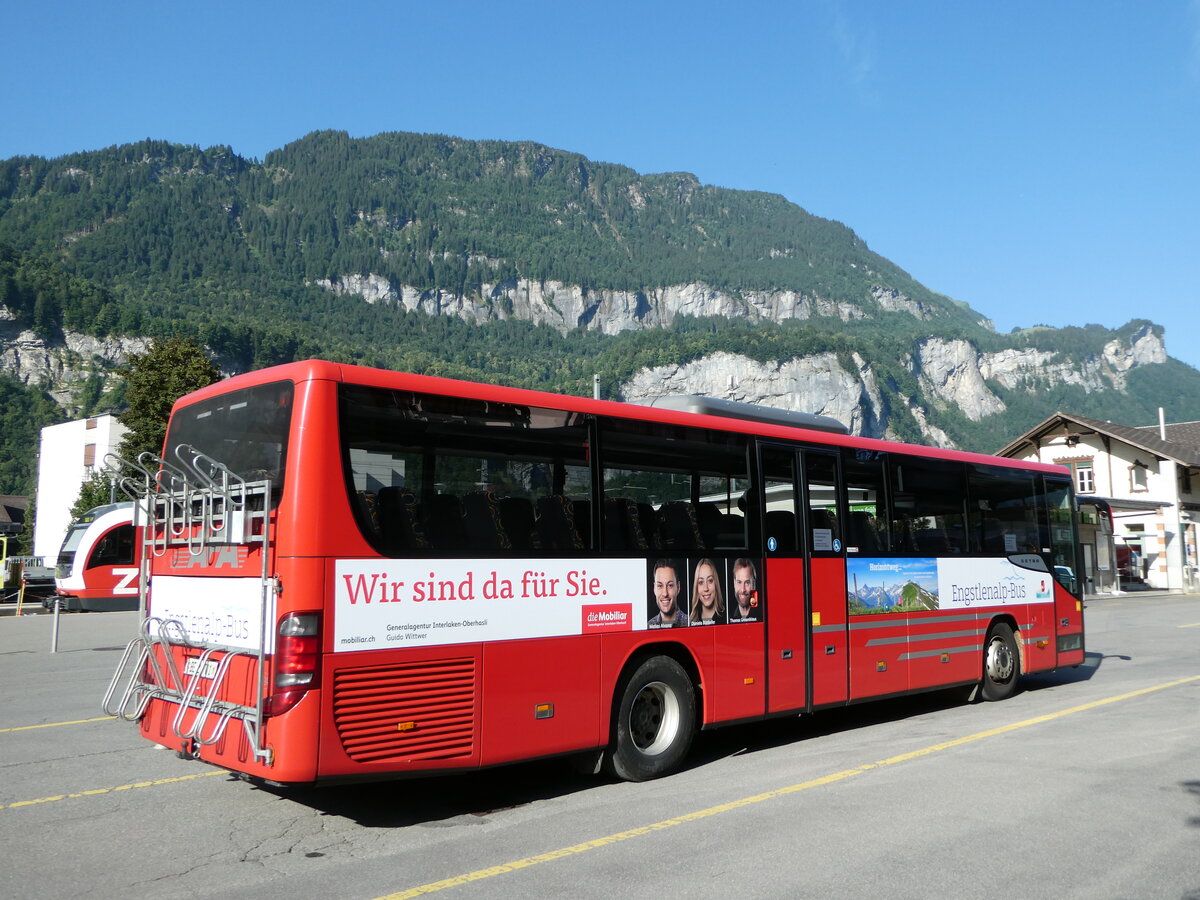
1085	784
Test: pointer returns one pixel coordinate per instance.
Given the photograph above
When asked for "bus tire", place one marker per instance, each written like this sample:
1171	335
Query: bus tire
655	721
1001	663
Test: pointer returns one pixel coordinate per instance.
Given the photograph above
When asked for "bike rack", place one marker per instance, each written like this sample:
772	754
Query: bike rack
191	506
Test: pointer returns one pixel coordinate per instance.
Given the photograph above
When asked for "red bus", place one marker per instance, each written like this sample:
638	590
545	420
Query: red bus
356	573
99	562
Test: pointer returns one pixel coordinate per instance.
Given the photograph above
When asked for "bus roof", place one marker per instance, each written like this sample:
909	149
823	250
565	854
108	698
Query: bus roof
706	414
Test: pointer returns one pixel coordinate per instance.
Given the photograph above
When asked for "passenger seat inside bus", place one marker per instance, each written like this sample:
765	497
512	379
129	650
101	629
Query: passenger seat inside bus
558	523
680	528
860	532
400	521
517	517
484	524
623	525
443	519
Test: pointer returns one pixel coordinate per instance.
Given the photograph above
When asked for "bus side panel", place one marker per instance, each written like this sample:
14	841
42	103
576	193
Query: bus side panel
408	711
540	698
317	510
831	652
878	654
787	635
1037	638
1068	611
944	648
739	678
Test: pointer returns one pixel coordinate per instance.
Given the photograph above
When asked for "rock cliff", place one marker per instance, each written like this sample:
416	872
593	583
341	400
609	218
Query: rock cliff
61	368
567	307
951	373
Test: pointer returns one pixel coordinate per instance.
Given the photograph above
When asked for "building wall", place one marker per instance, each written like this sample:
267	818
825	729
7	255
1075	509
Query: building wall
67	456
1123	472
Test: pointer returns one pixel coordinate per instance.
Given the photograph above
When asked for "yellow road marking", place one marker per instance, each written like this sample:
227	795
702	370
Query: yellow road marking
1193	625
480	874
112	790
56	724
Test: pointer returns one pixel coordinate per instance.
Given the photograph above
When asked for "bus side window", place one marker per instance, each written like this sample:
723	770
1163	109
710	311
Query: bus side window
446	474
779	491
867	522
927	507
824	528
1003	511
671	488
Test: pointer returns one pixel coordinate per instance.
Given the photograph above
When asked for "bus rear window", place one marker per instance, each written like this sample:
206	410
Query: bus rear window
245	430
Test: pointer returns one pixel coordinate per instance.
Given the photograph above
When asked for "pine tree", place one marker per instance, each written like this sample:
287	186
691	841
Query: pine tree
155	379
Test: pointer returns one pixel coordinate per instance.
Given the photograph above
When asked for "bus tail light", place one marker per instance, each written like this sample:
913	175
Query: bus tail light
297	666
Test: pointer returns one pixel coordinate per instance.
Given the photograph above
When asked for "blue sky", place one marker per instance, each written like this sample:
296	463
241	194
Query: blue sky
1037	160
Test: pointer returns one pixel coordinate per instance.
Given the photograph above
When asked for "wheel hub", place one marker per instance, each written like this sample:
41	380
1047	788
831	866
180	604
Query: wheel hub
653	718
1000	661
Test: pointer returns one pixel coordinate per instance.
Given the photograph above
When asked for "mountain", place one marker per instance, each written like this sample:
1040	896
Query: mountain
906	596
522	264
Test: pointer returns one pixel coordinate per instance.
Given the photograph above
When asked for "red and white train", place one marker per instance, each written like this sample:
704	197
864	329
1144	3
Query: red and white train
99	561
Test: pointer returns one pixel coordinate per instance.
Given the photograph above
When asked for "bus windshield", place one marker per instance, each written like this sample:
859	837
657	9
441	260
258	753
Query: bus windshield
246	431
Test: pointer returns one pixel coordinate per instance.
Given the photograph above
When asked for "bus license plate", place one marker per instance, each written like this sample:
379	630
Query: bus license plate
193	667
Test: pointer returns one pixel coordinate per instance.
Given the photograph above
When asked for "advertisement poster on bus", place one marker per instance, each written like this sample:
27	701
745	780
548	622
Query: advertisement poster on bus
708	590
883	585
397	602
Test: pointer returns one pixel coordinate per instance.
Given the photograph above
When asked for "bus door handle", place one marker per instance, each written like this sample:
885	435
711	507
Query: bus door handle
830	649
787	654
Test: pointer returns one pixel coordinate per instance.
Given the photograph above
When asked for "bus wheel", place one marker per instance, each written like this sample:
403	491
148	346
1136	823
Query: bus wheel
1001	663
656	719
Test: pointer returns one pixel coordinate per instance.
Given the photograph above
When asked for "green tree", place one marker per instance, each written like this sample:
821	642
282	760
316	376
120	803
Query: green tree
96	491
154	380
23	544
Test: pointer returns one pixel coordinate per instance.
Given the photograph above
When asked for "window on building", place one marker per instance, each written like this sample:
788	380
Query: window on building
1085	477
89	455
1138	476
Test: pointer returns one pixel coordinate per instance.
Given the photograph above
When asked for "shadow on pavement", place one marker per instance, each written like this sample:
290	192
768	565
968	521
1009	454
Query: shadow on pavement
469	797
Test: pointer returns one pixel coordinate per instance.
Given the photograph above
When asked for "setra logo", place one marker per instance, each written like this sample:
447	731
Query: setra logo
229	557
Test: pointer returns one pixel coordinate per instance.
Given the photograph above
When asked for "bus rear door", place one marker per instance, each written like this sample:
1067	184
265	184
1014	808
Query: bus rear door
806	579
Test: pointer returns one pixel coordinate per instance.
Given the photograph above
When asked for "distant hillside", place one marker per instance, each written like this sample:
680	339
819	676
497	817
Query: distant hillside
518	263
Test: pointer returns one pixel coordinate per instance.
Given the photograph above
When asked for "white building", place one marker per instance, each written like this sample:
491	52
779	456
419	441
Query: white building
68	456
1142	486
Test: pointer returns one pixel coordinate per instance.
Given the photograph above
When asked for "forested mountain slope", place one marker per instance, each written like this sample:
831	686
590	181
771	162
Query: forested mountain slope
519	263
